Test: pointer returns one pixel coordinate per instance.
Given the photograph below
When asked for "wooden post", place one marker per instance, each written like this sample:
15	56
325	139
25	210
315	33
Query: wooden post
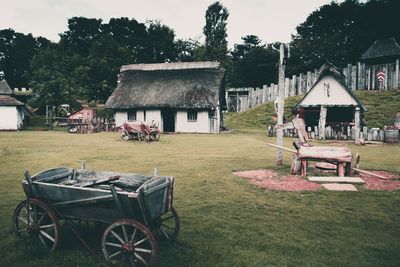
396	76
354	78
281	103
373	77
359	74
294	91
357	125
322	121
385	82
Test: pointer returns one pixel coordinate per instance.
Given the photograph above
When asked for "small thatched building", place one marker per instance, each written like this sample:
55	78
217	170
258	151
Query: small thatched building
13	113
329	102
382	64
181	97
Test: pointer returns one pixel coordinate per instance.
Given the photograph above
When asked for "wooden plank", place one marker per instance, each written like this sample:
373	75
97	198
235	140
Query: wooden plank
335	179
340	154
369	173
340	187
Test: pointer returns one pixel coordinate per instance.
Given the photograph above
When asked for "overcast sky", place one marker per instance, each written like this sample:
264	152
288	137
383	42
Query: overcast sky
271	20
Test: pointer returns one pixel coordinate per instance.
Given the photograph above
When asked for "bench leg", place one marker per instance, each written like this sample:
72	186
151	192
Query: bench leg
303	168
340	169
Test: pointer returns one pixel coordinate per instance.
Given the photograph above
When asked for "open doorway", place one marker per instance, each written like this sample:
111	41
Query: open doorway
168	118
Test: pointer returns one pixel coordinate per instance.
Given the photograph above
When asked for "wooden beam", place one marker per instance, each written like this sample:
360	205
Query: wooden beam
369	173
283	148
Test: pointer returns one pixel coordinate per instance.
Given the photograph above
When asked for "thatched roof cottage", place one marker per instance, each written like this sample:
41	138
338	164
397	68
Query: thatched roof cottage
12	111
181	97
330	102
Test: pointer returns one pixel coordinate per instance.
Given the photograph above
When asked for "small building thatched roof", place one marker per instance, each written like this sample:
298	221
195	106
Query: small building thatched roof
381	50
329	70
175	85
5	88
6	100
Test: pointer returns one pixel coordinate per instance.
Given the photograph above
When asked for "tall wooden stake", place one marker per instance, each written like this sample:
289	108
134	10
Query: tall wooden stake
281	103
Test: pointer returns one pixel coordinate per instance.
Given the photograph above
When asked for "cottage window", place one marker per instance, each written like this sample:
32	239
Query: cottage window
192	115
132	115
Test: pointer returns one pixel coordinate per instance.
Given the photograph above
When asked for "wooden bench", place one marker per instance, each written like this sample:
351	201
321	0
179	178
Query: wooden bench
340	156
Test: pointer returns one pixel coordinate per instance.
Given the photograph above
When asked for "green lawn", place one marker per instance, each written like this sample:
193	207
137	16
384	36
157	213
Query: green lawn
225	221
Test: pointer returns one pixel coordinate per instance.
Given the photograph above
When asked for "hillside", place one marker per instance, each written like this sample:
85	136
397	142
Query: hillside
382	107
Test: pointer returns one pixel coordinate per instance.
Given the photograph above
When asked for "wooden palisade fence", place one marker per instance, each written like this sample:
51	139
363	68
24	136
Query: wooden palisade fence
357	77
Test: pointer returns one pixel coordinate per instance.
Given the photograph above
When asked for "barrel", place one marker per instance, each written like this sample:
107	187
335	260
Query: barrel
392	136
397	121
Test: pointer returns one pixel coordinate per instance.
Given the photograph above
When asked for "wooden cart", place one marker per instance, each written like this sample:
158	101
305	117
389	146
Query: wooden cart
137	208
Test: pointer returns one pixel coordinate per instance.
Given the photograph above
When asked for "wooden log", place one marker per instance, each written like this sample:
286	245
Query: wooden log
283	148
369	173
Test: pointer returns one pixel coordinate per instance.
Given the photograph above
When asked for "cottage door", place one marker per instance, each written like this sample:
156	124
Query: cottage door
168	118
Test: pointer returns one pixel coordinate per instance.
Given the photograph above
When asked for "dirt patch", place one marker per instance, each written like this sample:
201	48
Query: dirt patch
268	179
391	182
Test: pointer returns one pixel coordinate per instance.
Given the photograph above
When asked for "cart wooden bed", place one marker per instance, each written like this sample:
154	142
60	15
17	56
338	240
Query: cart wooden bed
138	209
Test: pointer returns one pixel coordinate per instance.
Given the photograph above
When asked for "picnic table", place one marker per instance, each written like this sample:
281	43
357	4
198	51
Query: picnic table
340	156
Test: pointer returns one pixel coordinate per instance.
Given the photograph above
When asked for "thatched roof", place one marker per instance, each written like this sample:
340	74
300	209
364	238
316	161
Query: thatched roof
329	69
6	100
175	85
382	49
4	88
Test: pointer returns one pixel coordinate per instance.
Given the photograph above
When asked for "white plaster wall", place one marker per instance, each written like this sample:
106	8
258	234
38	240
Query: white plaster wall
337	95
8	118
202	125
120	117
153	115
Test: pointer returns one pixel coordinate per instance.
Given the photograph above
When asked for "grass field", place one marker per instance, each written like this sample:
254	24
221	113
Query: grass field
225	221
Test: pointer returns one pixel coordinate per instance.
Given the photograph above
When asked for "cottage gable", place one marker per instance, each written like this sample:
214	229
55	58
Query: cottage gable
328	92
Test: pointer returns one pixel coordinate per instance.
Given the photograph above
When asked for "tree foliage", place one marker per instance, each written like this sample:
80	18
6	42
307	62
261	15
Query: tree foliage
253	64
216	45
341	32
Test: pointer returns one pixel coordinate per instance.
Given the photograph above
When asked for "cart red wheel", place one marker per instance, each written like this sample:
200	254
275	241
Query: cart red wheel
167	227
123	134
37	225
130	242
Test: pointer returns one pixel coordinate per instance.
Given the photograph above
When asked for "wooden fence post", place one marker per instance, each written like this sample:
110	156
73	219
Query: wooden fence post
396	75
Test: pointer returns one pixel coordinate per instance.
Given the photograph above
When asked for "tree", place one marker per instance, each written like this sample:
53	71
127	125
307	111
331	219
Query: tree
255	68
240	50
81	34
186	49
16	51
51	77
160	43
215	32
130	34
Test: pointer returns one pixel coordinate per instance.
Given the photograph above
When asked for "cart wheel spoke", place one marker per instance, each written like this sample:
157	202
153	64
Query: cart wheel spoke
125	234
133	235
47	226
49	237
22	220
143	250
115	254
117	237
141	259
43	241
140	242
166	235
113	245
